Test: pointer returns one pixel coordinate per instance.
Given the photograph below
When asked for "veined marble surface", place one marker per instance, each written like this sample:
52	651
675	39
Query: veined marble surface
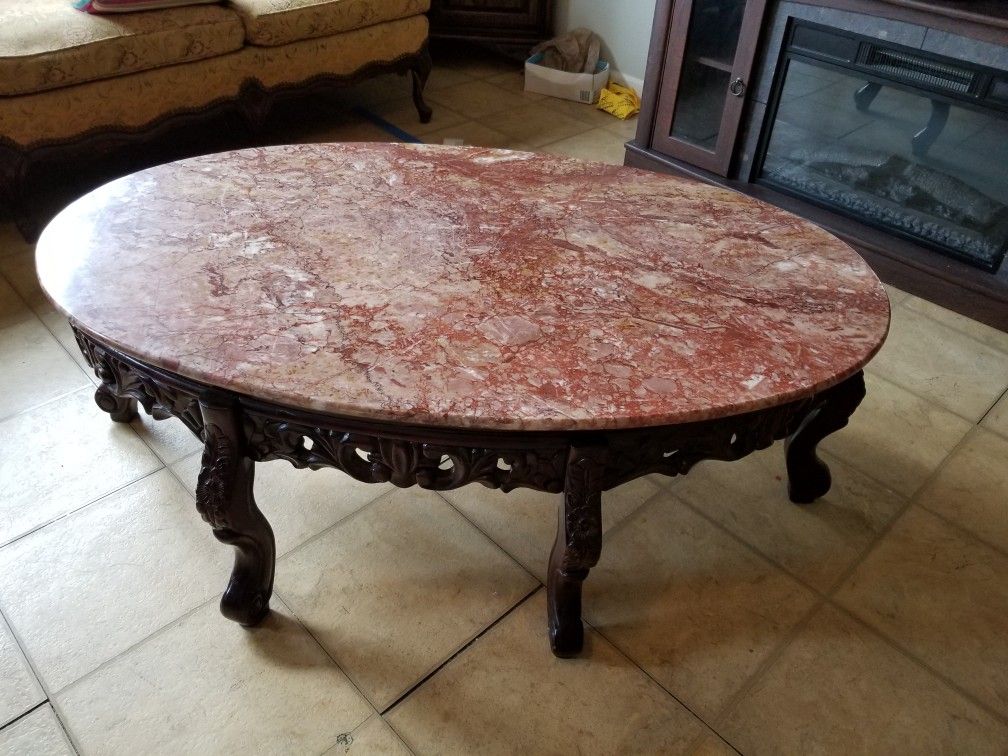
463	287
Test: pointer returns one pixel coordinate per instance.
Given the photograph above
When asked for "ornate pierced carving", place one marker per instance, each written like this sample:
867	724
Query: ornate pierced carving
161	397
378	458
675	450
238	431
214	483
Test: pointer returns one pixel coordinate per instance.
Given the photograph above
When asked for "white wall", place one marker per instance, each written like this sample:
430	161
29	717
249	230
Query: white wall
623	25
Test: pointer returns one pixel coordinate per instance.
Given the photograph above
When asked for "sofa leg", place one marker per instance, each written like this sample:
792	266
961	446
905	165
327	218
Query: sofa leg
420	71
255	104
13	186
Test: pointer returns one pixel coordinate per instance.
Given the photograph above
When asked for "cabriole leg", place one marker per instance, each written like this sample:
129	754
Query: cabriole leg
808	476
224	499
121	409
576	549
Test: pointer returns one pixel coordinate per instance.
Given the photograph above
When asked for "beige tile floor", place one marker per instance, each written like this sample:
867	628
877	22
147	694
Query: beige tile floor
721	617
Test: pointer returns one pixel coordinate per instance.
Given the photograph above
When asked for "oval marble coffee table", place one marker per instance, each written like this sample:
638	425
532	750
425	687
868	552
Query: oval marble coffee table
440	316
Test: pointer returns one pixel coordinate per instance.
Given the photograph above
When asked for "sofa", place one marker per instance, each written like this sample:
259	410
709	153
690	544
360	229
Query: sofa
73	83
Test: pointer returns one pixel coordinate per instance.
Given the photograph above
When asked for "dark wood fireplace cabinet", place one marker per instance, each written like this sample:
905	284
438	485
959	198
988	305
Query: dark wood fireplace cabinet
885	121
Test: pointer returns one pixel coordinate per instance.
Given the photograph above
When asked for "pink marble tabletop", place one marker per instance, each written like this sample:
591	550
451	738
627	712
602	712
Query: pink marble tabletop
463	287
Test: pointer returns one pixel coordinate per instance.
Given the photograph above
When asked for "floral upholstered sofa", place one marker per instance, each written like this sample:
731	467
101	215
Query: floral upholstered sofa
73	81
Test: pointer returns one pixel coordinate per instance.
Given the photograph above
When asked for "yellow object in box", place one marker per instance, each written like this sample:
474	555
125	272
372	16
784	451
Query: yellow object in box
619	101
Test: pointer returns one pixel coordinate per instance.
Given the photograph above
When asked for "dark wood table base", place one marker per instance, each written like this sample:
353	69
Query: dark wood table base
238	431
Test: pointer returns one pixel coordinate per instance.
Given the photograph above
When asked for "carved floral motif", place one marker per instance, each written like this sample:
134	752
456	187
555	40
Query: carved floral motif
215	477
376	458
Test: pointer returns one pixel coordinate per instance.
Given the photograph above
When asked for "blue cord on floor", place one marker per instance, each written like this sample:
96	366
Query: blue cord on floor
391	128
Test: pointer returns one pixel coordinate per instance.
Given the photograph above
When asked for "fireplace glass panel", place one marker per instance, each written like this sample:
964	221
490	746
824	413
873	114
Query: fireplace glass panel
896	158
706	73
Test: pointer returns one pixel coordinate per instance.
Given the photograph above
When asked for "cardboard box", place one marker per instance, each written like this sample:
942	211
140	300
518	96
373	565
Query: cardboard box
580	87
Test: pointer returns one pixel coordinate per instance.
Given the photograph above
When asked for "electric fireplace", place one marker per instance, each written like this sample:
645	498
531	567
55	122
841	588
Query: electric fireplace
899	138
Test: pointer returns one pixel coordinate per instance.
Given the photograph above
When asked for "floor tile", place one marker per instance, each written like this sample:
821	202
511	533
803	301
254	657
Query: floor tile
36	368
838	688
58	457
404	116
997	418
355	129
11	241
298	503
373	737
38	734
815	542
207	685
18	268
944	597
395	590
688	603
536	124
472	63
514	82
127	564
442	77
474	99
713	745
972	487
19	690
169	439
626	129
980	331
508	694
897	437
896	296
941	364
472	133
59	327
20	272
523	522
598	145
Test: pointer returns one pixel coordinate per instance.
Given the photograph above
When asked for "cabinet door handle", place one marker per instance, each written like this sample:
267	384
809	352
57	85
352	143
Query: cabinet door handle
737	87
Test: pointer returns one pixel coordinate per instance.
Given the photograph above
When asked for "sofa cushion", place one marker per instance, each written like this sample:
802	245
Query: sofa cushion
277	22
126	103
46	44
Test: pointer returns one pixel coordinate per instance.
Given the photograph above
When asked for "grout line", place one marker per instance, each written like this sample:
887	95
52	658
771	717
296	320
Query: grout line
89	386
457	653
325	531
486	535
43	685
28	306
908	655
991	409
66	730
620	652
961	331
325	651
870	474
965	532
828	597
874	373
135	645
24	714
77	509
398	737
771	659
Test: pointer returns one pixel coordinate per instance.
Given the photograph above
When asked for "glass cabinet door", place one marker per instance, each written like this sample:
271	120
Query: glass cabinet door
710	53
